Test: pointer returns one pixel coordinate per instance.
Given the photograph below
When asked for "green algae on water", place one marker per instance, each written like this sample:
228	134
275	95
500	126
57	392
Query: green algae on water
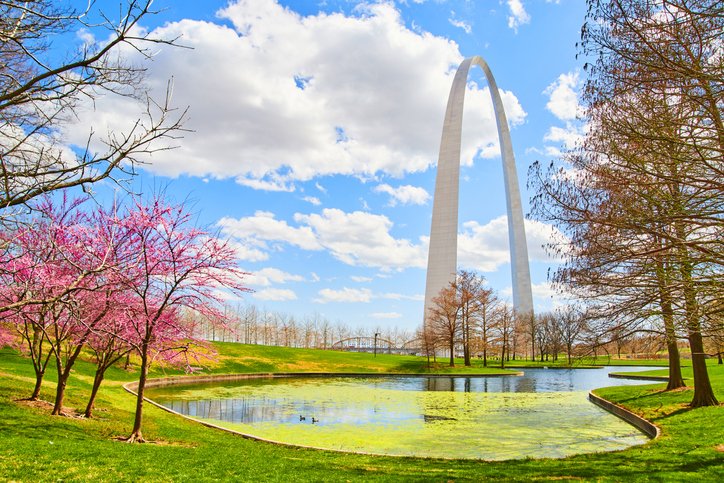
363	415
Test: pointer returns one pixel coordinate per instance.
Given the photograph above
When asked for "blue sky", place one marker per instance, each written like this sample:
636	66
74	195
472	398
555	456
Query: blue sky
315	131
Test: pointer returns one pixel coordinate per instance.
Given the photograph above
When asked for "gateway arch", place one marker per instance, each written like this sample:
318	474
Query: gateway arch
442	257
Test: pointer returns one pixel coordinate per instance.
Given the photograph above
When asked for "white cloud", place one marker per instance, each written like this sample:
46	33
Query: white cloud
362	239
518	16
277	97
397	296
568	137
245	252
275	294
263	226
359	295
404	194
344	295
462	24
321	188
486	247
360	279
313	200
265	185
563	95
266	276
388	315
545	290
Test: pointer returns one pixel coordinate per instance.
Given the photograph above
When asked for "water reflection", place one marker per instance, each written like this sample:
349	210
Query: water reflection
256	401
542	414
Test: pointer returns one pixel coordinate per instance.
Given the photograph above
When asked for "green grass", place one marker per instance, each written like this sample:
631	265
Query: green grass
238	358
84	451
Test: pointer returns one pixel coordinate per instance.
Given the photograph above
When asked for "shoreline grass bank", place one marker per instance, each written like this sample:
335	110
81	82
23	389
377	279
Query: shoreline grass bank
40	448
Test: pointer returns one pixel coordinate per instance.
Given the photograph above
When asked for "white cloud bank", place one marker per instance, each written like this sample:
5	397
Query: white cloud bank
279	97
364	239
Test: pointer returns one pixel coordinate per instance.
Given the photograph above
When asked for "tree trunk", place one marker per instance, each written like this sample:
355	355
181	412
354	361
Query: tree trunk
452	352
466	348
38	383
675	378
136	434
63	375
97	380
703	392
59	394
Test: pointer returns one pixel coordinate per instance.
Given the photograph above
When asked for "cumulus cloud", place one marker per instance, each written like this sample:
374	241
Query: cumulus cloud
388	315
360	279
276	294
364	239
266	276
518	16
407	195
313	200
545	290
567	137
462	24
542	290
563	94
262	226
359	295
247	253
486	247
344	295
277	98
397	296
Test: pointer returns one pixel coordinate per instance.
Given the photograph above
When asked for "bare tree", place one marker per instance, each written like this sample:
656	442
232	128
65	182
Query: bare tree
41	88
504	326
573	322
443	318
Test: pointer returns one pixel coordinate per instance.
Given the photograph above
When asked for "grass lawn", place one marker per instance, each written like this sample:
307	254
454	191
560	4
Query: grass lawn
36	447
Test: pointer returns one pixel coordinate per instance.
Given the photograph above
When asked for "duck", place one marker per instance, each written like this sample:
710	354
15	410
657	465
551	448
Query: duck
302	418
315	420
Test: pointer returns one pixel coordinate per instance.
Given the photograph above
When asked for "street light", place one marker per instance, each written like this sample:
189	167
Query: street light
376	334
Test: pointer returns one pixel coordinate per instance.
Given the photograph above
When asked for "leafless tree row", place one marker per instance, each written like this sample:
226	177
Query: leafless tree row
468	320
249	324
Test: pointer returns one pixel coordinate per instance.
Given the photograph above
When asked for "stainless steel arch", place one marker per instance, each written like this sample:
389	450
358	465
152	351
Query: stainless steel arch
442	257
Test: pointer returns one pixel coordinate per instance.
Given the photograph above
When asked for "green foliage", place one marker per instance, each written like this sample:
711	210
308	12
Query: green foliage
85	451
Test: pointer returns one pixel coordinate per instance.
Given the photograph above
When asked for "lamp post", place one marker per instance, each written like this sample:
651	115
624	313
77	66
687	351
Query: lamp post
376	334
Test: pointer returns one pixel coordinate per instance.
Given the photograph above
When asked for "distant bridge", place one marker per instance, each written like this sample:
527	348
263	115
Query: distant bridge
384	346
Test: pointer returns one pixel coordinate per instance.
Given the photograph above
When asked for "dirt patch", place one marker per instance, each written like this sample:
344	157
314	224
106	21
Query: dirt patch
719	448
48	406
681	389
124	439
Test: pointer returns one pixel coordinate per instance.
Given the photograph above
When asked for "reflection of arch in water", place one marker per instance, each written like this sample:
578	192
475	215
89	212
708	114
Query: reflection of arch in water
442	255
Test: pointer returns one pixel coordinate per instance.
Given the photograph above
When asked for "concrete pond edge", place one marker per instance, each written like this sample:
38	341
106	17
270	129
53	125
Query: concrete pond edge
643	425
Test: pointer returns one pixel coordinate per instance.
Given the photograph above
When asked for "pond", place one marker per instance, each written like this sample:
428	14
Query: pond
545	413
